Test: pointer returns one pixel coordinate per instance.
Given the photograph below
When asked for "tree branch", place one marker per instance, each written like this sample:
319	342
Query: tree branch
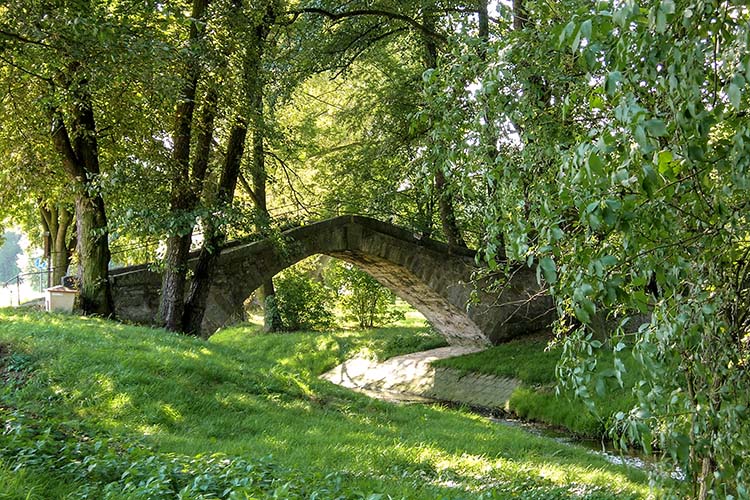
249	190
24	70
20	38
359	52
286	168
338	16
61	140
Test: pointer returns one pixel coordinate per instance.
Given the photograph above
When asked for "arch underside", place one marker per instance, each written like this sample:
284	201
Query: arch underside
445	317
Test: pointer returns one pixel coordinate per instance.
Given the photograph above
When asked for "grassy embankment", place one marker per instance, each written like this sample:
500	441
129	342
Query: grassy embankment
95	409
528	361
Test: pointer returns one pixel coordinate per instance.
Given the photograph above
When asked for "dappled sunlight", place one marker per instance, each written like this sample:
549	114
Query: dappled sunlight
148	429
171	414
477	471
259	395
119	403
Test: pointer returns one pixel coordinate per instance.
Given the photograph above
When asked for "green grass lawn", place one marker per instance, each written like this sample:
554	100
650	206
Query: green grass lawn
529	361
96	409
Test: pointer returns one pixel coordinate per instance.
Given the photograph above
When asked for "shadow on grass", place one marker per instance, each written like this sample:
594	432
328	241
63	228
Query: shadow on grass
248	394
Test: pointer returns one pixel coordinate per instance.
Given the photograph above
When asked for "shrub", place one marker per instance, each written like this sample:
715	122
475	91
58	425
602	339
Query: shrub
362	298
302	302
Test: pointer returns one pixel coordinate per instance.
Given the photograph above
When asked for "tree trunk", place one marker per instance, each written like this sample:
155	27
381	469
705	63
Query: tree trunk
445	197
173	280
183	197
271	315
61	247
447	215
178	246
94	256
484	28
80	158
56	222
520	15
195	306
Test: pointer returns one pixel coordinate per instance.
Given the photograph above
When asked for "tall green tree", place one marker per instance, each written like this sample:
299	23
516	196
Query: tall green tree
70	57
257	24
187	182
623	179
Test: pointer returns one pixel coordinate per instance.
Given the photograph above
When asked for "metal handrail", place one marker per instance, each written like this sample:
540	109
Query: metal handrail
18	278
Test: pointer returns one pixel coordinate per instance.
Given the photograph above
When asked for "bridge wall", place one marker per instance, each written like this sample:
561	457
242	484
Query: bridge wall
433	278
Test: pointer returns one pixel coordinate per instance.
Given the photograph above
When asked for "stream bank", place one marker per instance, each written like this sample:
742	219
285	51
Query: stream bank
412	378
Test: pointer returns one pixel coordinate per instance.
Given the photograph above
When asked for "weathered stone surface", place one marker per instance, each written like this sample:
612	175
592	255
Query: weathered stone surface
429	275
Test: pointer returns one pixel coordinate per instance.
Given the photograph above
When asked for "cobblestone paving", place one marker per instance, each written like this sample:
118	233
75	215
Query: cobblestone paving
412	378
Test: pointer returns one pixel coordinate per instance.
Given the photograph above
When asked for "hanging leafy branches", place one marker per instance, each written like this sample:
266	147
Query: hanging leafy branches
623	176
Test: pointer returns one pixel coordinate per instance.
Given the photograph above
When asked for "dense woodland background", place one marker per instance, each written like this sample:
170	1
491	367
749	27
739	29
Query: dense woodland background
605	143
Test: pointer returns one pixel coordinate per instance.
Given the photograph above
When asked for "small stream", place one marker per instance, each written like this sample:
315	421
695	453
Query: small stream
603	448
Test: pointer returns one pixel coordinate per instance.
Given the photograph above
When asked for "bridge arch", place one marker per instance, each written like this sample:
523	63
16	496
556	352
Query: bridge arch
433	278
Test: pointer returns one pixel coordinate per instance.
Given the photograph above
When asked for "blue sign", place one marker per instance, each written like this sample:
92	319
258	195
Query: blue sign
40	263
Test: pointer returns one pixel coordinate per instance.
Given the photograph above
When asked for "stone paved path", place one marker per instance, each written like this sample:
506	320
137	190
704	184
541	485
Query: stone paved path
412	378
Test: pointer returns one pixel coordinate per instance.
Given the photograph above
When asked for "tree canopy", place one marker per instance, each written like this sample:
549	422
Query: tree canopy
605	144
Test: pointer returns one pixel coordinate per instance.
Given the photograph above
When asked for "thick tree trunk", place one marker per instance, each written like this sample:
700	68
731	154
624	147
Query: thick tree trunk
91	218
195	306
203	274
183	195
173	280
178	246
94	256
80	157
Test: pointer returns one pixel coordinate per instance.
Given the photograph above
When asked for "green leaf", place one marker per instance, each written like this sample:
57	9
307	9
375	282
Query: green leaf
735	95
641	139
596	101
661	21
608	260
596	165
549	270
601	387
664	161
586	29
650	180
566	32
667	6
656	127
695	152
576	41
582	315
610	85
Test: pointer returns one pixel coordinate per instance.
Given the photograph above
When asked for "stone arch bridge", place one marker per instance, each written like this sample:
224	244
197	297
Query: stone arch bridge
433	278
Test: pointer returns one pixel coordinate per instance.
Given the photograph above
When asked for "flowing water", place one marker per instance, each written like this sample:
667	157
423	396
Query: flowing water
604	448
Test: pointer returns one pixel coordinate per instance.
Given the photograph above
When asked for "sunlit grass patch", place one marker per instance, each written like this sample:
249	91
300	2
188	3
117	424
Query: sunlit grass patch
531	362
245	395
